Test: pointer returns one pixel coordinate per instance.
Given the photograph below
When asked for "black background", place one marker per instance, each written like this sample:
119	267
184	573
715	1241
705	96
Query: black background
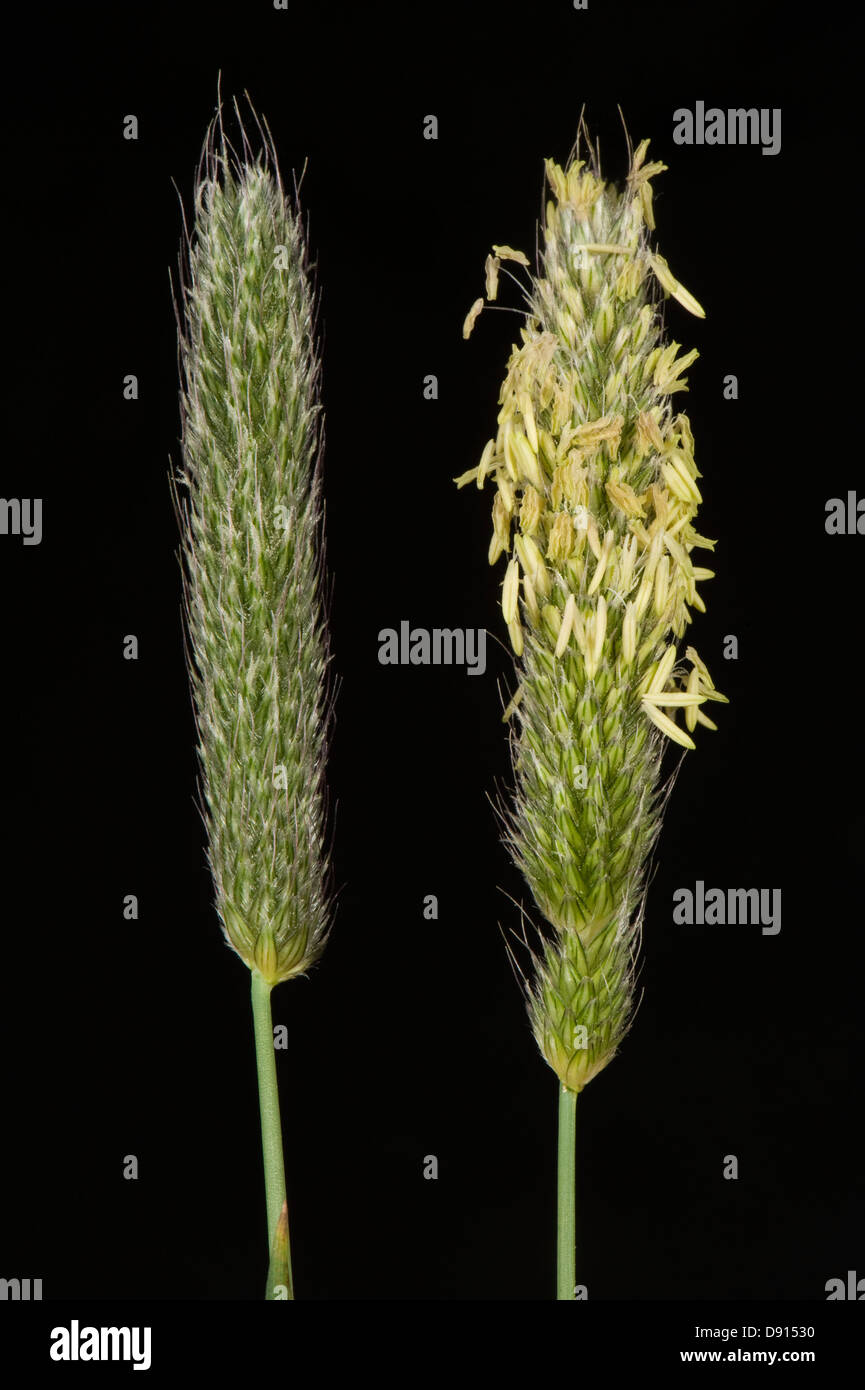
410	1038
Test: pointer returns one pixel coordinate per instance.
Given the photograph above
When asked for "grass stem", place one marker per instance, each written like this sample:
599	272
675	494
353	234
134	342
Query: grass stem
271	1127
566	1253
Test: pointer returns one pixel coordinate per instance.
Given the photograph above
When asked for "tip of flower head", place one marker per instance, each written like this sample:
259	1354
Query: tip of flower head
230	164
576	186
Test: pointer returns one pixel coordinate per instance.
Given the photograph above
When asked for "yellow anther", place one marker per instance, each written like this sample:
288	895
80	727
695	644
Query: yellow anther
596	637
524	401
668	372
522	462
557	180
662	671
530	598
679	480
601	566
507	253
531	510
629	634
667	726
662	585
472	317
693	688
533	564
674	699
624	497
669	282
485	464
627	560
561	542
567	624
510	591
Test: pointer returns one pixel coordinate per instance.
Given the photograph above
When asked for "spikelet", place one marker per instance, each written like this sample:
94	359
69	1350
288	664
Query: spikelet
596	497
252	541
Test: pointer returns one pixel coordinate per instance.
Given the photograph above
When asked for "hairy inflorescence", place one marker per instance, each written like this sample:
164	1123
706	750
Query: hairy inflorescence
595	501
252	550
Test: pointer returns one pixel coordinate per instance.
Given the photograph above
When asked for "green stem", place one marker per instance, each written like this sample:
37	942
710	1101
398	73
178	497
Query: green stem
566	1252
271	1127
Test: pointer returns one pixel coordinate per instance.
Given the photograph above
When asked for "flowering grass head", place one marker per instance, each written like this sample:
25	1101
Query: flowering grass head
595	502
253	557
